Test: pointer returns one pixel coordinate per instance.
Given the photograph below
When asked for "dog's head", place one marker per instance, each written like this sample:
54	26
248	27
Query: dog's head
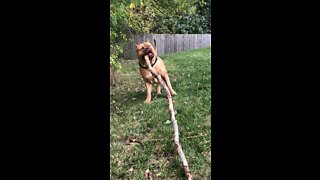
144	48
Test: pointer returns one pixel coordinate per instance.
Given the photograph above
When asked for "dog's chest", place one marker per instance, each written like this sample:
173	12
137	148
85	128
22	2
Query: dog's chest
148	77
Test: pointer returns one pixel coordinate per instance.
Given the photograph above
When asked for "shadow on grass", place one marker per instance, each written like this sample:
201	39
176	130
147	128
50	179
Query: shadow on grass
131	99
134	98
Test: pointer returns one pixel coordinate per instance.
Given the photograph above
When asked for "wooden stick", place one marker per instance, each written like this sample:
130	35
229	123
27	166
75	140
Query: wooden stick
182	157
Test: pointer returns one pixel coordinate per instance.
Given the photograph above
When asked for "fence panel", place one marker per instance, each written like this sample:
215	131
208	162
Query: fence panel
168	43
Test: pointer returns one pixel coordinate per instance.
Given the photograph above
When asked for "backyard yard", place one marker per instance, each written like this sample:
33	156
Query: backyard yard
141	143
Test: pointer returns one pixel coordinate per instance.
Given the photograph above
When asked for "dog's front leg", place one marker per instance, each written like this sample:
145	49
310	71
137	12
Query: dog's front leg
158	89
149	89
167	81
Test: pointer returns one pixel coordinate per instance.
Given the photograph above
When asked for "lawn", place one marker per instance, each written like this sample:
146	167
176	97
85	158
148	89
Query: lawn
141	135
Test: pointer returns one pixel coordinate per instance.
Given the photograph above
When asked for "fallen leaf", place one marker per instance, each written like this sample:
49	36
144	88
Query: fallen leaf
158	146
133	140
152	161
131	169
146	173
167	122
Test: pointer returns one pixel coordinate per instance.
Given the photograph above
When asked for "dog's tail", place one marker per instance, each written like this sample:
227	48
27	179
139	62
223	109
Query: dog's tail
155	47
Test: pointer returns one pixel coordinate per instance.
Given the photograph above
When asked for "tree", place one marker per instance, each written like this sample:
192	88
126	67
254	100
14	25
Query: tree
119	12
176	17
129	17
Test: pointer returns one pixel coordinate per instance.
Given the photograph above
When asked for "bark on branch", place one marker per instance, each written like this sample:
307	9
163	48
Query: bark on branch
182	157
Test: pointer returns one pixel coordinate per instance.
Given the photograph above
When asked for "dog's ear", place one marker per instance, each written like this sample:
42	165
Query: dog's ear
136	45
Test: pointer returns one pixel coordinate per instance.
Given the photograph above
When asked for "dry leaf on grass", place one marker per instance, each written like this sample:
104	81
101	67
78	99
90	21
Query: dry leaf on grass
132	140
167	122
152	175
158	146
148	174
152	161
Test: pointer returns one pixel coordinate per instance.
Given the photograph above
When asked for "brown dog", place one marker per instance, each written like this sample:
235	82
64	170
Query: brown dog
147	49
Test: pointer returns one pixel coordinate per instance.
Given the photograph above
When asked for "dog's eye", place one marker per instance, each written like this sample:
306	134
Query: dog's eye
142	48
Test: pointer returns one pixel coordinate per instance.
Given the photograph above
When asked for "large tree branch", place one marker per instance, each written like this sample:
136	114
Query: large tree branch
182	157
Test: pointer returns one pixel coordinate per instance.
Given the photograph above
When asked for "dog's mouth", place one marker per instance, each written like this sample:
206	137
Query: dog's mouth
147	51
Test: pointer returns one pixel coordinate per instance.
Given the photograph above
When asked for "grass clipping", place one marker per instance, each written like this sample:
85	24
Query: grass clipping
182	157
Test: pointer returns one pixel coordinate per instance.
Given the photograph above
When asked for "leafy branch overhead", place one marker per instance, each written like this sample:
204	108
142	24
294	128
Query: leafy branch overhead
129	17
175	17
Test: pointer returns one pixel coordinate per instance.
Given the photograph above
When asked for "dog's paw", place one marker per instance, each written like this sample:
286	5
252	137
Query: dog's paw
147	101
174	93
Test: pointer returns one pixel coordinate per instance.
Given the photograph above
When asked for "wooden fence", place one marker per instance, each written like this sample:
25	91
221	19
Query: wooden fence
169	43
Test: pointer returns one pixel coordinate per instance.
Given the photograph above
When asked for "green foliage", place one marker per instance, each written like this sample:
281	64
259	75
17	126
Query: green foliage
176	17
118	15
129	17
204	11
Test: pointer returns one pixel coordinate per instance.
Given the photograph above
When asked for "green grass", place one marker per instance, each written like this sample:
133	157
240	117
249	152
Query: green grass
147	126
